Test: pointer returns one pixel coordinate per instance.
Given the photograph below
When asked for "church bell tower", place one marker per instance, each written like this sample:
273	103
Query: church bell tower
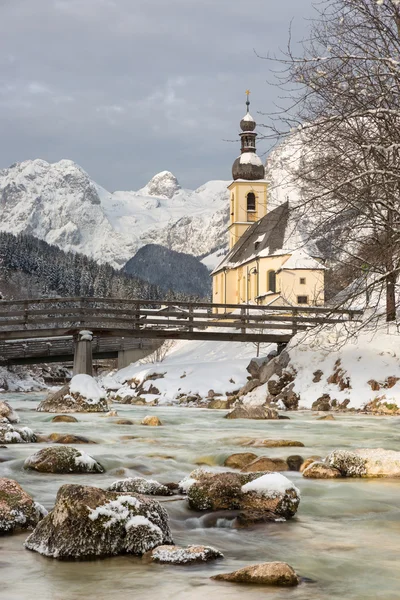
248	190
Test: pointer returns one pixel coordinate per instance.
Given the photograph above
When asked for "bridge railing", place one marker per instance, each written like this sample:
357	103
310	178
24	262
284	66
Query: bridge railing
149	318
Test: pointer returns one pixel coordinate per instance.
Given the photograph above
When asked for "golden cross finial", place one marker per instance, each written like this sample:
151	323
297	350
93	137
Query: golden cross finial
247	101
248	92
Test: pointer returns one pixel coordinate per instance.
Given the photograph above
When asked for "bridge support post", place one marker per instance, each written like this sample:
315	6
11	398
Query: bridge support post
83	359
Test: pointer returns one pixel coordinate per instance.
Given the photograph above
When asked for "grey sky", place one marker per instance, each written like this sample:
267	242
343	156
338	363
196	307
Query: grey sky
128	88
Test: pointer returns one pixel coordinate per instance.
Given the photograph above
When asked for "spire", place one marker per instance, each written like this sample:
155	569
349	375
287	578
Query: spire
248	165
248	100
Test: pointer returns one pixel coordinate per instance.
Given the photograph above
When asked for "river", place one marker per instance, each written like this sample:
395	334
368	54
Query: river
345	538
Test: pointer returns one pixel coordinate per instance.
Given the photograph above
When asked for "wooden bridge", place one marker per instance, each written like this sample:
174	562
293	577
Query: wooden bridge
80	319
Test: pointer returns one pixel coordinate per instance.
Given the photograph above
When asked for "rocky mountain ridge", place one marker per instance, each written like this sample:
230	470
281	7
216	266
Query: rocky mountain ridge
60	204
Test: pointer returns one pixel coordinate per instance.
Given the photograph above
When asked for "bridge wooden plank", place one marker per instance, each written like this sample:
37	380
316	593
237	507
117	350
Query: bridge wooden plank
135	302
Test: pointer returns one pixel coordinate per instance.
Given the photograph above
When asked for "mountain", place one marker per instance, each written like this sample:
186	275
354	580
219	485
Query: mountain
60	204
31	268
169	269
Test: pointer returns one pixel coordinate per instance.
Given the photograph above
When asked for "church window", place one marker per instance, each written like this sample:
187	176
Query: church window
302	280
251	201
271	281
216	284
232	204
302	300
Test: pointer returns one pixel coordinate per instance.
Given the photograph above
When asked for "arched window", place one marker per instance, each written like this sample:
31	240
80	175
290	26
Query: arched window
271	281
251	201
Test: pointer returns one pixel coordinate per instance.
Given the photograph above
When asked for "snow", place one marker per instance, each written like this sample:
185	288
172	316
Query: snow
250	158
139	521
192	367
186	484
59	203
85	460
87	387
270	485
370	354
115	510
301	260
248	117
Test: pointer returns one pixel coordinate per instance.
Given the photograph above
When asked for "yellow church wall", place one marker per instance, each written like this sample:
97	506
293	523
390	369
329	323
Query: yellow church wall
240	217
292	286
242	284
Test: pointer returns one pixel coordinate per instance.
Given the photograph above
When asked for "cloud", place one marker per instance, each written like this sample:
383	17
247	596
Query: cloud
128	88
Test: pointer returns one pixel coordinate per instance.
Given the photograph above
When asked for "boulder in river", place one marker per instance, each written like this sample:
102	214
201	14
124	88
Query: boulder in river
271	443
62	459
274	573
13	435
88	522
239	460
7	412
64	419
320	470
176	555
253	412
82	394
18	510
140	485
258	493
264	463
68	438
365	462
151	421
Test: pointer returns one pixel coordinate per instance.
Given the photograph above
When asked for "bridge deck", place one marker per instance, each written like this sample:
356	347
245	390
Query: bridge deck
40	323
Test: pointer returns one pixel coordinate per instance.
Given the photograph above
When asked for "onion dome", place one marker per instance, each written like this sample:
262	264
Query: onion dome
248	165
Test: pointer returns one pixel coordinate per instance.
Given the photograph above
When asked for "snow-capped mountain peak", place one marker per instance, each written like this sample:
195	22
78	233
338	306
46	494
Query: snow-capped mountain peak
62	205
164	184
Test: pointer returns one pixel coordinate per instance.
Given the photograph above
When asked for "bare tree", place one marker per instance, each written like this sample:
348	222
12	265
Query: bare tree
344	104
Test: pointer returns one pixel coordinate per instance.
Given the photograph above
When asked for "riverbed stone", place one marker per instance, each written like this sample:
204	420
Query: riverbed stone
323	403
326	418
68	438
64	419
62	459
66	401
294	462
88	522
177	555
265	463
151	421
232	491
274	573
271	443
253	412
140	485
18	510
7	412
12	435
320	470
308	461
239	460
124	422
365	462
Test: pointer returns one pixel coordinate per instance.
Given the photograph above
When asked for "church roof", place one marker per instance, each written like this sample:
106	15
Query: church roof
280	231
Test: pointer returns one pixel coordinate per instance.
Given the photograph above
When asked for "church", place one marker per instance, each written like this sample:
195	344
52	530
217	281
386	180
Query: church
271	259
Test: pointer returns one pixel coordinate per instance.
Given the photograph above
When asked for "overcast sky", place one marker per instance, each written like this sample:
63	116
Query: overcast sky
128	88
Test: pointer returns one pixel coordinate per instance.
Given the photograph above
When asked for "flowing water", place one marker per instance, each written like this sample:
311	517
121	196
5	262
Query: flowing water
345	538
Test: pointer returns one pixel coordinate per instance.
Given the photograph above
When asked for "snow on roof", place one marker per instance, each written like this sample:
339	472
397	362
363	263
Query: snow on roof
301	260
248	117
283	230
250	158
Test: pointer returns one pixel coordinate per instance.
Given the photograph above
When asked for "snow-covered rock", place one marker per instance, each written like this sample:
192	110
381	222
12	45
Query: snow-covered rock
7	412
62	459
176	555
365	462
12	435
82	394
139	485
60	204
259	496
18	510
89	522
